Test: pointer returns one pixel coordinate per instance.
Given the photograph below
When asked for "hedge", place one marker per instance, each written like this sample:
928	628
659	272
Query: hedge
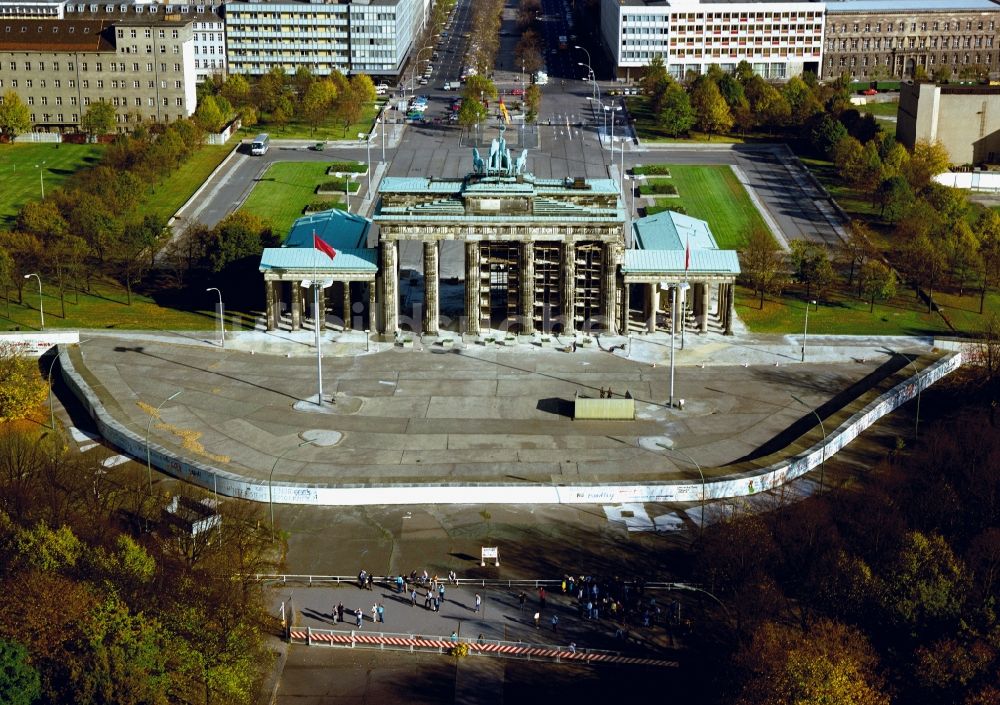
348	167
653	170
337	186
657	187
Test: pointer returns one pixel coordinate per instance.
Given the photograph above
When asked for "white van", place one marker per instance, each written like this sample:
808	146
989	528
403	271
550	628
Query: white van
448	86
381	89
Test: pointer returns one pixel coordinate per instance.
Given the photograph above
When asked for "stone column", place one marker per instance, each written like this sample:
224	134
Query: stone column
347	305
431	287
472	283
372	319
703	320
651	308
609	288
271	305
390	288
626	304
730	308
526	287
320	312
296	305
569	287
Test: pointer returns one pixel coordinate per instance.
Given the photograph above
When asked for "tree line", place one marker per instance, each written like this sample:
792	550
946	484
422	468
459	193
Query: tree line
882	591
98	608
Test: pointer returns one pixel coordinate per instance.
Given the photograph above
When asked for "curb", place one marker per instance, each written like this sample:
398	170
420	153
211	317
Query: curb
204	184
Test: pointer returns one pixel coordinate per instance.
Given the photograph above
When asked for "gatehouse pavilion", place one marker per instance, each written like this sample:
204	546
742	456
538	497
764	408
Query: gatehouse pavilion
539	255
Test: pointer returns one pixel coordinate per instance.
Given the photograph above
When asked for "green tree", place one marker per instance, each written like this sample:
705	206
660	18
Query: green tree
19	681
926	582
676	116
478	87
301	80
767	103
925	263
236	89
363	88
533	101
137	246
283	111
826	133
710	107
348	107
762	265
811	266
878	281
25	251
15	117
42	219
208	116
6	273
98	119
894	196
802	101
238	236
23	388
655	82
271	89
987	229
848	155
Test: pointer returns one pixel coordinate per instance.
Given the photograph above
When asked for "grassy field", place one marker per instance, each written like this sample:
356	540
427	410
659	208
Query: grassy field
326	130
284	190
880	109
839	313
19	180
712	193
105	307
174	191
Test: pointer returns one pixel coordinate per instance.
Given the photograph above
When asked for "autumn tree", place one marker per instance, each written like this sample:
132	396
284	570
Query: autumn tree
987	228
208	115
927	160
825	662
15	116
878	281
811	266
318	98
98	119
236	89
6	273
857	248
710	107
762	264
23	388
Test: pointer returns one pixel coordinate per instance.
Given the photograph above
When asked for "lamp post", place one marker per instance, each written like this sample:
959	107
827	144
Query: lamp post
149	423
670	447
805	329
222	325
368	148
41	306
593	76
41	177
912	361
673	330
270	478
822	462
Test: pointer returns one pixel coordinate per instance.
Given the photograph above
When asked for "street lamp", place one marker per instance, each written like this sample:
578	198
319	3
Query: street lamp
41	306
670	446
416	65
270	496
593	77
822	462
368	148
912	361
673	329
222	325
149	423
41	177
805	329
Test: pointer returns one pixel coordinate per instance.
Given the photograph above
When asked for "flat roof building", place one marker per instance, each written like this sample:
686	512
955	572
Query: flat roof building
964	119
351	37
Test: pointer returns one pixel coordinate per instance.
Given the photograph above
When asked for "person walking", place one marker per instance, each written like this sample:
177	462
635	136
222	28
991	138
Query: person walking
538	616
381	613
521	599
413	597
541	598
340	611
359	617
479	602
555	622
374	613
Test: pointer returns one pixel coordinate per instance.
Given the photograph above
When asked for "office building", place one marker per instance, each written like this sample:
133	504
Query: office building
964	119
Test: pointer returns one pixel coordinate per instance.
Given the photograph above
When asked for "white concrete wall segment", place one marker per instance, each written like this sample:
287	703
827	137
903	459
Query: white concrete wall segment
234	485
37	344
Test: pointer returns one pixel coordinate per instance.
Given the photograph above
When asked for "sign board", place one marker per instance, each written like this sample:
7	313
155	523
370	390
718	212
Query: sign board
490	552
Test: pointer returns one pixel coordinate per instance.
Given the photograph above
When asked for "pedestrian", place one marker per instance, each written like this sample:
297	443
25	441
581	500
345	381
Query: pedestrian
541	598
381	613
521	599
374	613
427	600
538	616
452	577
480	639
441	591
361	579
340	611
454	636
555	622
370	581
572	647
479	602
359	617
413	598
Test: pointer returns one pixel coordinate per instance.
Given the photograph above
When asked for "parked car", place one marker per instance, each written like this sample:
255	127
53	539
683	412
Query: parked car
869	91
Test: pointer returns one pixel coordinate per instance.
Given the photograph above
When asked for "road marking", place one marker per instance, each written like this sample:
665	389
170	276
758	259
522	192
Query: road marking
88	446
115	460
81	436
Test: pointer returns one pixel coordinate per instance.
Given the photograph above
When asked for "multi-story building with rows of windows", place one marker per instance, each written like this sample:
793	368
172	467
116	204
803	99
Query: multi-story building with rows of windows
780	39
372	37
139	58
872	39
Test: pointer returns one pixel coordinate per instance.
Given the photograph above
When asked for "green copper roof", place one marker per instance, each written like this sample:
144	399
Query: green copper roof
339	229
672	262
670	230
306	258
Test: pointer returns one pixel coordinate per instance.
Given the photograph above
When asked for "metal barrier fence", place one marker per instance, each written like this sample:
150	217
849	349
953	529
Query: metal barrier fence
387	581
410	643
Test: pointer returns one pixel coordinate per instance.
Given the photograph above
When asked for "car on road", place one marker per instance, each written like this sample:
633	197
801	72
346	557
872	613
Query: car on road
448	86
869	91
423	81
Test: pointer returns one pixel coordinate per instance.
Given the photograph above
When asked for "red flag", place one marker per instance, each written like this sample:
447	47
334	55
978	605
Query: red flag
320	244
687	254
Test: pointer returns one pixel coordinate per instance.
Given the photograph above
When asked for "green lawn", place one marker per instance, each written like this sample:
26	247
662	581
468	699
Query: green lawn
839	313
105	307
880	109
174	191
713	193
326	130
963	311
284	190
19	177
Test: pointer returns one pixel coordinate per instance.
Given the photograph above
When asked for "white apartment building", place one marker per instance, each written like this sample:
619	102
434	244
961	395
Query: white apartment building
209	33
363	36
779	39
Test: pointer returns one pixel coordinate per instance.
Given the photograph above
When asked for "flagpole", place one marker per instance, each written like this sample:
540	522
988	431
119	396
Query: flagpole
316	324
684	290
